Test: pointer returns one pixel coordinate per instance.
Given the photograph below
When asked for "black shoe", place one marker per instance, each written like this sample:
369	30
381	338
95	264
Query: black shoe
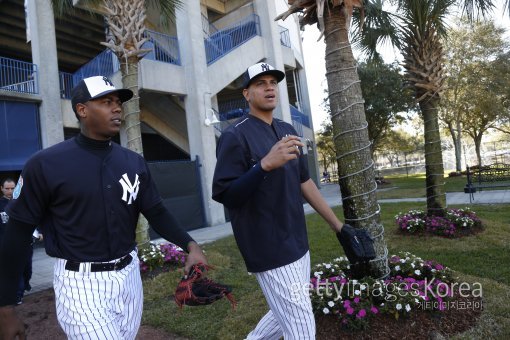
28	287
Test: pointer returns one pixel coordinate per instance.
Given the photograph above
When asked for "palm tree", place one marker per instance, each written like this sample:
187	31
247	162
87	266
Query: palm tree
418	29
353	148
126	27
416	32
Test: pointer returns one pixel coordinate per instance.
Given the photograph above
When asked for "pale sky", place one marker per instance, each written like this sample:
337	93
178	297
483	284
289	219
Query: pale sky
313	53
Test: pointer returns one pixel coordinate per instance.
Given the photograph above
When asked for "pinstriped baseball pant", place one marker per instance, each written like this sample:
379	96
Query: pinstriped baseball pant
290	313
99	305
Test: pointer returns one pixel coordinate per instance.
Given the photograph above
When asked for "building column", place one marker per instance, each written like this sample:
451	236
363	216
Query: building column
44	55
266	10
202	139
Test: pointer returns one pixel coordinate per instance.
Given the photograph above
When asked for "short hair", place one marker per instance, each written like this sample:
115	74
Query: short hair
8	179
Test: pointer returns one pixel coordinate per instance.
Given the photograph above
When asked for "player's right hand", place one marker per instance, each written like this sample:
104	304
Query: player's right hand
10	324
283	151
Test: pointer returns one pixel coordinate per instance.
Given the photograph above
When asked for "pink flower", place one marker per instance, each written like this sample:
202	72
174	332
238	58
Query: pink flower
356	299
347	303
350	311
361	314
374	310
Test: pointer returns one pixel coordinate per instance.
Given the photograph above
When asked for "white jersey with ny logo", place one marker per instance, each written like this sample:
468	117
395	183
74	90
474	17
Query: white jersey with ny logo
129	188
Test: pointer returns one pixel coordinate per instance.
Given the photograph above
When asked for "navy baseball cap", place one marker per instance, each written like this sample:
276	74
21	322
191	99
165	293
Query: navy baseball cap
258	70
96	87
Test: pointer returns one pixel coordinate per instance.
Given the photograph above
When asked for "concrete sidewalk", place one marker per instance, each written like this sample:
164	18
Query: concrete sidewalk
42	276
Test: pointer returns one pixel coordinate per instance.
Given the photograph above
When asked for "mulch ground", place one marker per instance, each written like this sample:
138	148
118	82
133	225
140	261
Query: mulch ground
38	313
420	325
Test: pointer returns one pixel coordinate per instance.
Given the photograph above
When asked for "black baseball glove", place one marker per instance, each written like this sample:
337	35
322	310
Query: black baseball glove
357	244
196	290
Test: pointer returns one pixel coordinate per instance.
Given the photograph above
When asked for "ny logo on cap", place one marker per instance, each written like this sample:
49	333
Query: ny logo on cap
265	67
107	81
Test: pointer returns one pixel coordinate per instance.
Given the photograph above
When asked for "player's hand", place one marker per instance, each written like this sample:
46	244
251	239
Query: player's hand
195	255
10	324
283	151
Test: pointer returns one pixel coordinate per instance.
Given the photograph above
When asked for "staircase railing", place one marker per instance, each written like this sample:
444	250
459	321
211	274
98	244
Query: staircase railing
18	76
105	63
163	48
231	37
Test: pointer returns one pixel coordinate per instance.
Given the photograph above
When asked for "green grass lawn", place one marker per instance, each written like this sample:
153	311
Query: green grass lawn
483	258
414	186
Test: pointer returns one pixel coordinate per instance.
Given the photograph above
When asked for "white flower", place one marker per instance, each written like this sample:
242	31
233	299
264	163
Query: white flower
328	266
398	306
363	287
325	310
412	265
416	300
354	282
417	272
331	303
433	270
382	304
402	261
408	308
317	274
397	267
357	292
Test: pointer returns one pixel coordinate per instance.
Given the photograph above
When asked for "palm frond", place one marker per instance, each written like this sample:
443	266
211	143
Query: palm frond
379	27
166	8
473	9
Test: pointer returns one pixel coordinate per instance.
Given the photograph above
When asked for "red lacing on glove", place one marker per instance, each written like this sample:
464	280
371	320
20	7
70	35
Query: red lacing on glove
195	290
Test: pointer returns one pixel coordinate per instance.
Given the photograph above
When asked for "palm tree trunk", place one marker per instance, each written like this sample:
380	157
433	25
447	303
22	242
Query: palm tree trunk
129	70
350	134
436	199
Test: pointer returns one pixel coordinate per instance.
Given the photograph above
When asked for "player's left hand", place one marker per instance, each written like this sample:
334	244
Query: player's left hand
195	256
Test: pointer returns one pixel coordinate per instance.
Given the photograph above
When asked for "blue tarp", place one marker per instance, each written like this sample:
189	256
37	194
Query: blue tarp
20	135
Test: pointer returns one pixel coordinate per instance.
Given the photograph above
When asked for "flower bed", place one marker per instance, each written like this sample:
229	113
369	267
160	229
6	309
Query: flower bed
455	223
156	258
413	286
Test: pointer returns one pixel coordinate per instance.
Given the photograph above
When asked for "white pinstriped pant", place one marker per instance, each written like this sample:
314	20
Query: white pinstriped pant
290	313
99	305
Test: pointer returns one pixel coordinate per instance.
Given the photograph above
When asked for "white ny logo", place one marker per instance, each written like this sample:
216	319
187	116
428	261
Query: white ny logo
128	187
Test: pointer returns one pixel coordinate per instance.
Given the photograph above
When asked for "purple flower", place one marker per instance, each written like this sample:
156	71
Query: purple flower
361	314
350	311
374	310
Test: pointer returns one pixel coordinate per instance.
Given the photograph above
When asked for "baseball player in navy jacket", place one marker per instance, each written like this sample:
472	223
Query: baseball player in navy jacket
86	195
261	177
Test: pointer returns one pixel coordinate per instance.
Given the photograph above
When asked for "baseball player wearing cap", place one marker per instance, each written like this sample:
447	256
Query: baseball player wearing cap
260	177
86	193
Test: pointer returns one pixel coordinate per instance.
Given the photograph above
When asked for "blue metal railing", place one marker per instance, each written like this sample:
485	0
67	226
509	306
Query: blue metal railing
18	76
163	48
227	39
66	84
304	119
284	36
232	109
105	63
